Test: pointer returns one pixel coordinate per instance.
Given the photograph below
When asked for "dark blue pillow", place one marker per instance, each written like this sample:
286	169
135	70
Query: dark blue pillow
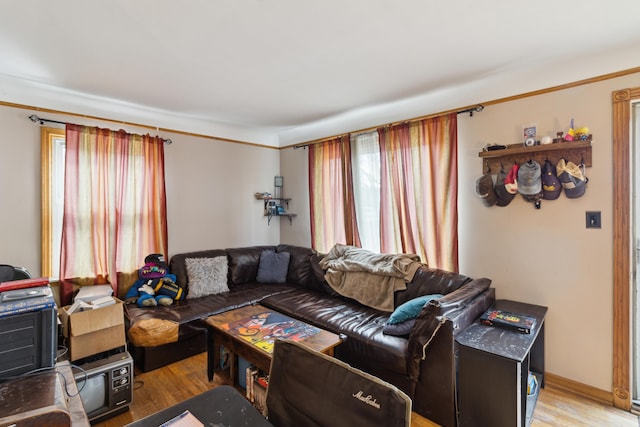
399	329
410	309
273	267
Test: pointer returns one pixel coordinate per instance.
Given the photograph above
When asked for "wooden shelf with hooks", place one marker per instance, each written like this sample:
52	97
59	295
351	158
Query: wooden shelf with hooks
575	151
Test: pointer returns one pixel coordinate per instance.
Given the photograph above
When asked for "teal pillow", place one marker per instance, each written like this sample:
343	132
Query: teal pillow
410	309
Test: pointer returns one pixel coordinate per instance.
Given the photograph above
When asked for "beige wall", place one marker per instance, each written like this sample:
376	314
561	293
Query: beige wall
294	168
19	190
547	256
544	256
541	256
210	191
210	186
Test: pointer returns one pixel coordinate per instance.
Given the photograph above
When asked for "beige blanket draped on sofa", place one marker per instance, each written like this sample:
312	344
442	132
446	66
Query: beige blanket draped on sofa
367	277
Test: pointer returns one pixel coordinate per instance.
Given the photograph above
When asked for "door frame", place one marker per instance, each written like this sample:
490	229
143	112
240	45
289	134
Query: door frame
622	245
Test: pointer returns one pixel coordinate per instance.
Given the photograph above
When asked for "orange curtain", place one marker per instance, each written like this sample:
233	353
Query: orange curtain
418	190
114	205
333	218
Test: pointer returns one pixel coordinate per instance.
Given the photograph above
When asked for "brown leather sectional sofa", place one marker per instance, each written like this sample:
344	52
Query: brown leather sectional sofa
422	364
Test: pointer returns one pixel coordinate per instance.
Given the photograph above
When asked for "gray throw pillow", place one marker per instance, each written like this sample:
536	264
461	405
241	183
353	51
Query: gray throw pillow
207	276
273	267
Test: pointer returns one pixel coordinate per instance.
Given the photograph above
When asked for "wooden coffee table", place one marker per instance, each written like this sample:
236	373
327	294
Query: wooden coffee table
250	332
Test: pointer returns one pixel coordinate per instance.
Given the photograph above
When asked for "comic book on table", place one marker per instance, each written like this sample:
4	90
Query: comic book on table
509	320
263	329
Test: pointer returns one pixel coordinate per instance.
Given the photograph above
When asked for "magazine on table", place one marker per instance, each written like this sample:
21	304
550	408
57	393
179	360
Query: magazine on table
509	320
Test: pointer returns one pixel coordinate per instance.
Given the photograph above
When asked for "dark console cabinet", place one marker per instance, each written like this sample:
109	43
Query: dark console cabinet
493	368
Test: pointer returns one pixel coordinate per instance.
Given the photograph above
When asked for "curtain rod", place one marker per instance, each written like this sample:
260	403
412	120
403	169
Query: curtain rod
36	119
470	110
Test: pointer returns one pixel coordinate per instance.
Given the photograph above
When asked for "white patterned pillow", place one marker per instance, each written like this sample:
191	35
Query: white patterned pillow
207	276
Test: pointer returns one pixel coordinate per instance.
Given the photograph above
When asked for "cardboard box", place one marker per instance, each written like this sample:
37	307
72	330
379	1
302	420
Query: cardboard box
93	331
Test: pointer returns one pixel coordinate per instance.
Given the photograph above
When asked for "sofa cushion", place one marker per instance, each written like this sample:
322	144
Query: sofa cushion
273	267
207	276
244	263
363	327
430	281
317	281
300	270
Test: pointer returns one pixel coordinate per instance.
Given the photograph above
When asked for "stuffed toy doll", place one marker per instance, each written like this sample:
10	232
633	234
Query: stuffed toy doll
155	285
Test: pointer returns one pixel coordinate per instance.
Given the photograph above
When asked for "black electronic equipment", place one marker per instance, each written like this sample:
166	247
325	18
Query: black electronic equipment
105	385
28	341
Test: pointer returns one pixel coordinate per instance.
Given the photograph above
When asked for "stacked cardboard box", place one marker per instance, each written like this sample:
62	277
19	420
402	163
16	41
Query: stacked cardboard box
90	332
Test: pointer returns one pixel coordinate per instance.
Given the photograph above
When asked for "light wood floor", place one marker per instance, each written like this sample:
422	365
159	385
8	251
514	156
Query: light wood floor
164	387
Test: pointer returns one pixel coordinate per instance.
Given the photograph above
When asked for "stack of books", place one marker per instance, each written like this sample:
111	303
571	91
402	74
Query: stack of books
257	383
21	296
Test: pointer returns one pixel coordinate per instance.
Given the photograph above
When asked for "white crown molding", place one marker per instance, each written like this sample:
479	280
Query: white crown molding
498	85
36	94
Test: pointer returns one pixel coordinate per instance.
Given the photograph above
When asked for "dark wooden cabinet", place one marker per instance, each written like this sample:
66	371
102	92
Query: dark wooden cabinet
493	370
50	398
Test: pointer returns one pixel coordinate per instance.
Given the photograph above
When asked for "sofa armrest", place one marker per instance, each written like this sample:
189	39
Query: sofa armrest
460	307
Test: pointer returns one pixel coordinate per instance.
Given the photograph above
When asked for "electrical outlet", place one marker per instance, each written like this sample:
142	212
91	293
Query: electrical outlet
593	219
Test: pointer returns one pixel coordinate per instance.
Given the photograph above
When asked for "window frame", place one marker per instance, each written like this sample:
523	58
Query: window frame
47	137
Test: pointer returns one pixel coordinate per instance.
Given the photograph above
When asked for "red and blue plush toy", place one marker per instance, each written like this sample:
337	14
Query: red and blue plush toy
155	285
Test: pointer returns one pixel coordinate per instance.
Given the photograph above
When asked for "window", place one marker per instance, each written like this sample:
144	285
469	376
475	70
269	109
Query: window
393	190
53	152
103	205
365	157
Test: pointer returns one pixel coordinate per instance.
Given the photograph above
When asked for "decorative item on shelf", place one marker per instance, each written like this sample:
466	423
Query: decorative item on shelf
278	183
578	151
262	196
493	147
582	134
579	134
546	140
558	137
275	205
530	136
270	208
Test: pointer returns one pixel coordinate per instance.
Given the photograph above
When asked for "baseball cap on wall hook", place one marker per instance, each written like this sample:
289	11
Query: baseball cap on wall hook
530	182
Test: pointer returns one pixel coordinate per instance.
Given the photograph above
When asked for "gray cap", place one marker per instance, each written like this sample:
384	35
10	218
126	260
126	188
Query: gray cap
484	189
529	181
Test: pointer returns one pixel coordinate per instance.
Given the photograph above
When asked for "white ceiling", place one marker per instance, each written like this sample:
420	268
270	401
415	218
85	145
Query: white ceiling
285	71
